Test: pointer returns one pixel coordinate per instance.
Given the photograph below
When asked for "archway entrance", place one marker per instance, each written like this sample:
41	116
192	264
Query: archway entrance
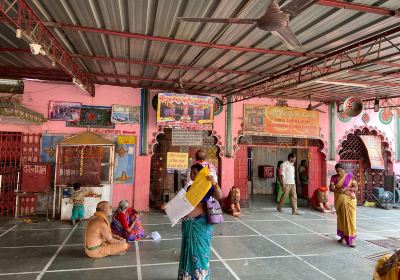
254	151
164	183
354	155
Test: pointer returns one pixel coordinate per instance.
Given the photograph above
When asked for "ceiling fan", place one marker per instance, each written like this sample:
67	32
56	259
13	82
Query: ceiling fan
274	20
314	107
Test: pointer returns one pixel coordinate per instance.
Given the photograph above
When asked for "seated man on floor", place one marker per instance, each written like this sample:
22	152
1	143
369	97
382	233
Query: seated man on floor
99	241
234	196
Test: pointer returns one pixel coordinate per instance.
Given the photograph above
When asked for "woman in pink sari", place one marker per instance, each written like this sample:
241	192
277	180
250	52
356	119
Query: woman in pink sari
344	186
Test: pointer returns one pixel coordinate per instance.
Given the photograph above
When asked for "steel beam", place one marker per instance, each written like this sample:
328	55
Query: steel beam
34	31
319	68
159	88
359	7
367	83
151	63
169	66
199	68
38	76
135	78
177	41
37	71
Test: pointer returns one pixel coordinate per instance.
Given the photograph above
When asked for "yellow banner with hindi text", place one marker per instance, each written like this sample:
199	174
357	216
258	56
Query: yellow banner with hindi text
280	121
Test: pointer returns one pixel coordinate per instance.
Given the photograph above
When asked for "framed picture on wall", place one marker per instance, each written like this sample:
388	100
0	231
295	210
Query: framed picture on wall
64	111
93	116
125	114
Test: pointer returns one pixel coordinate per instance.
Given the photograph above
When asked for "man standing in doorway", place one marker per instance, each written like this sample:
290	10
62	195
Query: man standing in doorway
289	184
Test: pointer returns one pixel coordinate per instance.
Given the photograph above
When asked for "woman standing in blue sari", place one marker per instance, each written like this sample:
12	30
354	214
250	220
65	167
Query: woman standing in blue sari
194	262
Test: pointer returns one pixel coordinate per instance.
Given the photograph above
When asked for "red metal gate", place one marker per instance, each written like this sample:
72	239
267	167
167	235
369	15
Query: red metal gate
353	151
15	148
10	167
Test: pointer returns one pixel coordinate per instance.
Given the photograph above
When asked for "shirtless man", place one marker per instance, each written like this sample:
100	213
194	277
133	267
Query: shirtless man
99	241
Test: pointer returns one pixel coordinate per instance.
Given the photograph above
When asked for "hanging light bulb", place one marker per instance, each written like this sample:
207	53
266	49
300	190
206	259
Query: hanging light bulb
376	105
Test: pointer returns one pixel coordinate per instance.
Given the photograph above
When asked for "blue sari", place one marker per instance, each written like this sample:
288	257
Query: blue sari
194	262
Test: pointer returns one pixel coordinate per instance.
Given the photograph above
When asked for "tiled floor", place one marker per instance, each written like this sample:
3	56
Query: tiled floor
263	244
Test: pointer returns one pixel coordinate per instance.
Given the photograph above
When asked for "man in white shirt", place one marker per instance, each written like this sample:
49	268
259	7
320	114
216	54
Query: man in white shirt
289	184
200	158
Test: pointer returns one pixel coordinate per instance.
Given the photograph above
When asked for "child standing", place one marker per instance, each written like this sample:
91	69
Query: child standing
78	199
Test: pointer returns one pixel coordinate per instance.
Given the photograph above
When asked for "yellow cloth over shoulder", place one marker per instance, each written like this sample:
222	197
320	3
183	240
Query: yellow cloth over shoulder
393	271
199	188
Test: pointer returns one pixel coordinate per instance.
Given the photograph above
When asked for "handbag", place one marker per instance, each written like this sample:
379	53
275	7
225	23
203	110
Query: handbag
214	211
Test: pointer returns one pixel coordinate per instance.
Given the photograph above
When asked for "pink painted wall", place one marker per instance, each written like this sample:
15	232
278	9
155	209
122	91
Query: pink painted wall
390	131
37	96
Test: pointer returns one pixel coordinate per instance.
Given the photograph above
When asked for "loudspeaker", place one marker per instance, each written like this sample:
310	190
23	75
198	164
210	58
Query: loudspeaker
352	106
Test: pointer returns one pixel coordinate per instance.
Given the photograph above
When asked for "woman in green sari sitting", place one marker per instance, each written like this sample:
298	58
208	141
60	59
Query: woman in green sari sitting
194	262
344	187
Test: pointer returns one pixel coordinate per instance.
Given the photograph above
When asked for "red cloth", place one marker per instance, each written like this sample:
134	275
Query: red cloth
314	200
121	217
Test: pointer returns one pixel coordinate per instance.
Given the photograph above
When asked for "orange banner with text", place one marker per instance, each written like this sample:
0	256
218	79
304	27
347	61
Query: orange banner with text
280	121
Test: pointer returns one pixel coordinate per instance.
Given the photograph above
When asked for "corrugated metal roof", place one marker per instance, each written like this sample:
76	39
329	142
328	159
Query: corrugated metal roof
320	28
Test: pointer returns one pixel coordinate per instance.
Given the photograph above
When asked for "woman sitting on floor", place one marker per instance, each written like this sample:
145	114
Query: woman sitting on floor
126	222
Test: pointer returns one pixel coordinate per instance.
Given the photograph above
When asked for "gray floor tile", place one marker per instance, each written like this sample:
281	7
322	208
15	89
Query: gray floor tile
170	272
5	227
231	229
165	230
319	226
72	257
163	251
282	269
78	237
260	215
25	260
306	214
359	269
373	225
229	218
19	277
44	225
246	247
154	218
308	244
25	238
276	227
101	274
